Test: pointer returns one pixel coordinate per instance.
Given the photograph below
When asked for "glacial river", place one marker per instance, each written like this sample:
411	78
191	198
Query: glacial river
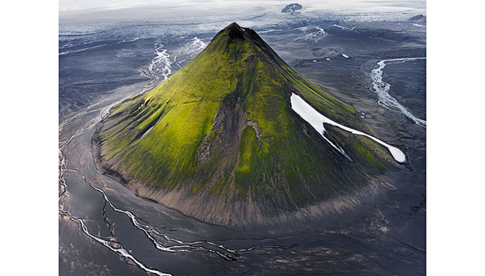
382	88
104	228
161	241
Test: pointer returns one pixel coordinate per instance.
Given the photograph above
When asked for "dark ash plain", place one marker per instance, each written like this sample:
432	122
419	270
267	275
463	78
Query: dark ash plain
127	235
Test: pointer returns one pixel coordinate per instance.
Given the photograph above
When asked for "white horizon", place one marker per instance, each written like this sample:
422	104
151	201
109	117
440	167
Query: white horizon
66	6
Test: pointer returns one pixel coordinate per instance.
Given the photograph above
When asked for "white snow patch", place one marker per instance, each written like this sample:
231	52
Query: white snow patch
317	120
313	34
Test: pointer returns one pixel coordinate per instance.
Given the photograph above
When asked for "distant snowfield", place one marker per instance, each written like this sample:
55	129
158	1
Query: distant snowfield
195	16
248	6
314	118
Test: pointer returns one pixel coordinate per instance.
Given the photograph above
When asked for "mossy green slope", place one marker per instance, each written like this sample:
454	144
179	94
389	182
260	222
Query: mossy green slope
221	135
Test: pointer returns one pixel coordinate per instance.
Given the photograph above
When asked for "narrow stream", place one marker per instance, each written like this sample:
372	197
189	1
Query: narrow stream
165	242
158	70
104	228
155	236
382	88
113	246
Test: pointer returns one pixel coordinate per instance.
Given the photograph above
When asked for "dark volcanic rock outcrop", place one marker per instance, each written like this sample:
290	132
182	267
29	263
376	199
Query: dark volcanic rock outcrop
292	8
419	19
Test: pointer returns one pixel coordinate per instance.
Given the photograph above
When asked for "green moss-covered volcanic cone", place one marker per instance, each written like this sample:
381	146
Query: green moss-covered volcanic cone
219	141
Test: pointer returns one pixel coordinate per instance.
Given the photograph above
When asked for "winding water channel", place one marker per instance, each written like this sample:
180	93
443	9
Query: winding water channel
149	238
382	88
150	232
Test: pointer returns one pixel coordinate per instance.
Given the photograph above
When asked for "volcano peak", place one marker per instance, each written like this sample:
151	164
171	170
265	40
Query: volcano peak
219	141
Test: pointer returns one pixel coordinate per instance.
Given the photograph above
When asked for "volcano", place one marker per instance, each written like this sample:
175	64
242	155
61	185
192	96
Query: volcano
220	141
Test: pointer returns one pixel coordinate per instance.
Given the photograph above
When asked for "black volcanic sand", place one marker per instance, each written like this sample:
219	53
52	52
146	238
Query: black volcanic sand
384	236
408	88
84	75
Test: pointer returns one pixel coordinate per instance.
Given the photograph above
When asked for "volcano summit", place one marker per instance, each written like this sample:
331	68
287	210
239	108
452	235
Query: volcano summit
220	141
